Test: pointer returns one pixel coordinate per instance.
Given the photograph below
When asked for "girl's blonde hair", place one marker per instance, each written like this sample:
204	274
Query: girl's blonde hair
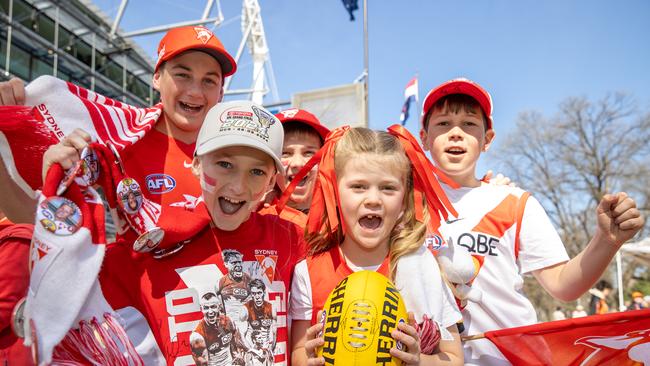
408	234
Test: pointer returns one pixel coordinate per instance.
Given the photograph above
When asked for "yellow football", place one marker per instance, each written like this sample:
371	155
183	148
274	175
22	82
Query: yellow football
358	317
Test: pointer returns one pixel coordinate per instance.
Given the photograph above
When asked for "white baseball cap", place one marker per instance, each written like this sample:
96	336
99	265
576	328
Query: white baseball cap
241	123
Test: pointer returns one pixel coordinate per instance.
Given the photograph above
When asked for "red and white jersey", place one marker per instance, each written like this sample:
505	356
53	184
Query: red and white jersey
162	166
167	292
486	227
315	277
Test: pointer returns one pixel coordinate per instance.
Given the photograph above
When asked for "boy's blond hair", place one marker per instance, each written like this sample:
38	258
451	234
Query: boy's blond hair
408	234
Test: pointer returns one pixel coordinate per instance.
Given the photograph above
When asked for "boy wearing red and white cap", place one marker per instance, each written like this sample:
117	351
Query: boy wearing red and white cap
189	74
508	232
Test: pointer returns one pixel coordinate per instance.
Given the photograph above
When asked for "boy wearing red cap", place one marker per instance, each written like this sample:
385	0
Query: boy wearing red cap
189	74
508	232
303	137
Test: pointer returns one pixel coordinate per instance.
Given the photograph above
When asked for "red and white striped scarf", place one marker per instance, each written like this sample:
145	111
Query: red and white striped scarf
53	109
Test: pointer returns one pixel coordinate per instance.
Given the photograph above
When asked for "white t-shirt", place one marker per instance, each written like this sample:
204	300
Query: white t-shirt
417	274
486	227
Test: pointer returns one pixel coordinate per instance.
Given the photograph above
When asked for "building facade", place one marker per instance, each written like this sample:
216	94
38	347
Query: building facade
73	40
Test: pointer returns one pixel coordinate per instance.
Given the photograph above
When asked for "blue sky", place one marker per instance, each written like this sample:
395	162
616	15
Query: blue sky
530	55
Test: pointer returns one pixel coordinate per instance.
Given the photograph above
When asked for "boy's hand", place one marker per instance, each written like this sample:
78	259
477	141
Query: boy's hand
498	180
618	218
67	151
12	92
408	336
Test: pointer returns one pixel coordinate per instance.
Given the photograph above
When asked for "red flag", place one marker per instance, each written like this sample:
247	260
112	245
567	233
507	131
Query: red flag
621	339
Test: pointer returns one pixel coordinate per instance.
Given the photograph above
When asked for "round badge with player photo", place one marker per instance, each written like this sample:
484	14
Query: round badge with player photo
18	319
129	196
68	177
59	216
85	171
149	240
89	170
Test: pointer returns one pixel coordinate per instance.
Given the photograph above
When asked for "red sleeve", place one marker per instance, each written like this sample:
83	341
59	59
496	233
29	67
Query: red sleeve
14	268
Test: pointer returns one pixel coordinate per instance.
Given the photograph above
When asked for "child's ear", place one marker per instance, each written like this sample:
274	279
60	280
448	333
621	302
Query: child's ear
489	137
196	167
423	139
156	79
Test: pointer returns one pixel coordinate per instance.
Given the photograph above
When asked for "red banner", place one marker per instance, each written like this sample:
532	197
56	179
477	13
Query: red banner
621	339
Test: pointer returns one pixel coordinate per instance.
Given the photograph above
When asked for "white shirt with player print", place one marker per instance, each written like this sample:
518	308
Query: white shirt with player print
486	228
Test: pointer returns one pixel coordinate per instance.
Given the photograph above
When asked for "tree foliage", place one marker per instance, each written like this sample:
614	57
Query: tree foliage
569	161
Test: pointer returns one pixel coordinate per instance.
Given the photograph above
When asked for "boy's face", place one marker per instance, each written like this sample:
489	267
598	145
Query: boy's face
297	149
456	141
233	180
189	85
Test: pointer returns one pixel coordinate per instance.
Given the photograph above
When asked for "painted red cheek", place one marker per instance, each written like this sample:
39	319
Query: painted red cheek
209	180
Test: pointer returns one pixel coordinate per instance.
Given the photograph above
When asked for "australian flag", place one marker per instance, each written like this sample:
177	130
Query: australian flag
351	6
410	94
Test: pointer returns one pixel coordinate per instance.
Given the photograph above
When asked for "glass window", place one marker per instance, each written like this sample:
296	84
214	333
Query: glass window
84	52
19	64
40	67
4	6
23	13
44	26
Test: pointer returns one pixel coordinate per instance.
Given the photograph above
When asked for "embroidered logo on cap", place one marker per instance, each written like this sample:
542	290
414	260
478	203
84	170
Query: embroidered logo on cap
161	53
243	121
290	113
203	34
266	121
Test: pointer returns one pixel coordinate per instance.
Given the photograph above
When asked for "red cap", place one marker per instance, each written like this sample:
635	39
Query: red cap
460	86
194	37
302	116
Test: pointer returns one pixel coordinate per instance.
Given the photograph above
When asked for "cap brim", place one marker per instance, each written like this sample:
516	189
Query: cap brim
221	142
227	63
321	130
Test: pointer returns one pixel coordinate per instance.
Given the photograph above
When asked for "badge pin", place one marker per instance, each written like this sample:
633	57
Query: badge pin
18	319
149	240
129	195
116	155
89	170
59	216
162	253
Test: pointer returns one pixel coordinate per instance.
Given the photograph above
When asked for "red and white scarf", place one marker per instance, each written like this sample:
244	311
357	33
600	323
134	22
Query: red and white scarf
53	109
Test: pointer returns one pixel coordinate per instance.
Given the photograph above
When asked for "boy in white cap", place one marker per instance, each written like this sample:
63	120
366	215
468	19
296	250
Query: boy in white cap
189	74
508	232
236	159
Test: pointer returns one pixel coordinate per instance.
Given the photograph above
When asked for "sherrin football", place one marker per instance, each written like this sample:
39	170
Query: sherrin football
358	317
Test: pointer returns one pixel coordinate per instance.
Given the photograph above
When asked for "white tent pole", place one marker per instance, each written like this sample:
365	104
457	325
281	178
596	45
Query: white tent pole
619	281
